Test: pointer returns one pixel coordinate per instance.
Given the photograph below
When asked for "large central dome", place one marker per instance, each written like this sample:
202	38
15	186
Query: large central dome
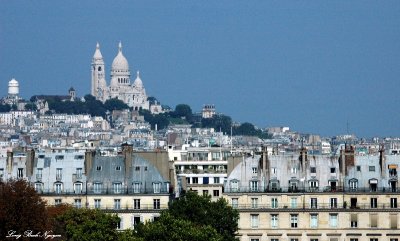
120	64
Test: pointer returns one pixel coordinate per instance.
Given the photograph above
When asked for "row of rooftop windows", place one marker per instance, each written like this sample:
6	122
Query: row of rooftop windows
136	204
99	188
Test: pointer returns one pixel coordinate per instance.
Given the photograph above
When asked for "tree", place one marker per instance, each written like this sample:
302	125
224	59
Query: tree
183	111
5	108
89	224
202	211
21	209
30	106
168	227
115	104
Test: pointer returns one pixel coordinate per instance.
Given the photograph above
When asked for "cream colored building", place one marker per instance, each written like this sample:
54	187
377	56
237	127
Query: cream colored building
277	202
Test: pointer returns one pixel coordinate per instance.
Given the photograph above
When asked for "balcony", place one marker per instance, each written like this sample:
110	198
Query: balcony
312	207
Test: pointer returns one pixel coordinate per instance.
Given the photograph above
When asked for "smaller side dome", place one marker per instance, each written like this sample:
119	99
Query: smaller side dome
138	82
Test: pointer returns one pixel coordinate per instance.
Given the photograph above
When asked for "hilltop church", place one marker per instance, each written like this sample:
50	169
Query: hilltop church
134	95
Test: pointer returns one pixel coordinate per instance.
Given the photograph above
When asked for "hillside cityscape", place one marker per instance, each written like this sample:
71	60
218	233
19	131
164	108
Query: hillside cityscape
122	152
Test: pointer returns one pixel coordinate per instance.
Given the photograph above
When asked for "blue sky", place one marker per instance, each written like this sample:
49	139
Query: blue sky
312	65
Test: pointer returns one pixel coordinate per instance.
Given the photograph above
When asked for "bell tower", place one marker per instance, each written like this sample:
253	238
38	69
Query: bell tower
99	86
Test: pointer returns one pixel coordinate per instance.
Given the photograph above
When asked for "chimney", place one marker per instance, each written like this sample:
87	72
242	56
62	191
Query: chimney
127	151
10	155
30	158
89	156
382	161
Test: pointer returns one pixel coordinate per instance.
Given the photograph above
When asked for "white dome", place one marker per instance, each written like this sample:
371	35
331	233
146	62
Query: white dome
13	87
120	63
138	82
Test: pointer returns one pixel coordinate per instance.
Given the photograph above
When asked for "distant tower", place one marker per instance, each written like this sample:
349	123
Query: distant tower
208	111
72	93
13	88
99	85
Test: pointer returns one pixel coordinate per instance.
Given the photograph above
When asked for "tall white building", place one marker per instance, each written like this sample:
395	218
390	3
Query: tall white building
134	95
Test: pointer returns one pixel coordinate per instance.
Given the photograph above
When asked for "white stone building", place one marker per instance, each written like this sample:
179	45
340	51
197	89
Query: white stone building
134	95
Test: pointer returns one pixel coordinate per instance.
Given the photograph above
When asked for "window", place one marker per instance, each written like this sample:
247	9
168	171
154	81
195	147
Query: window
394	239
393	202
216	180
216	193
353	184
79	173
39	187
20	173
354	239
313	220
118	168
274	220
97	187
136	187
120	224
235	202
137	168
314	239
254	170
254	239
358	168
254	186
353	220
374	202
273	170
234	186
254	203
333	202
117	187
314	202
392	172
59	157
313	184
97	203
294	239
57	201
294	220
393	221
156	203
333	220
373	220
117	204
274	202
254	220
98	168
313	169
136	203
78	203
205	192
59	174
78	187
293	170
38	174
373	239
136	220
293	202
156	187
274	239
371	168
58	188
195	180
333	170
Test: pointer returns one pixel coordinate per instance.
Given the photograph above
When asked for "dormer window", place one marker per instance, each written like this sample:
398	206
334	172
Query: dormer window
118	168
117	187
98	168
254	170
157	187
